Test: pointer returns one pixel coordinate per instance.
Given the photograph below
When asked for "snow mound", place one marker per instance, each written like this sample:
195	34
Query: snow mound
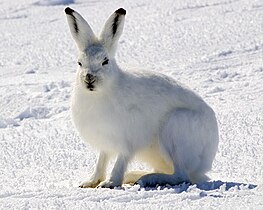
55	86
216	90
38	112
54	2
9	122
31	70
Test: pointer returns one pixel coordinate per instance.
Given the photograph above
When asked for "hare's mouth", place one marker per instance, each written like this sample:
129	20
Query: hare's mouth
90	84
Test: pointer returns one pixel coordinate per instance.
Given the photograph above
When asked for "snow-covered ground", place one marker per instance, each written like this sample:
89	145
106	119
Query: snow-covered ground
213	46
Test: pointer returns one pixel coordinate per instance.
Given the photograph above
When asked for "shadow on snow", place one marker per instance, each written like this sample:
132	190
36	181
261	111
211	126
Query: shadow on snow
206	187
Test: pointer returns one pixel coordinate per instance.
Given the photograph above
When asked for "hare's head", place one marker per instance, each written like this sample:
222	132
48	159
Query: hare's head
96	61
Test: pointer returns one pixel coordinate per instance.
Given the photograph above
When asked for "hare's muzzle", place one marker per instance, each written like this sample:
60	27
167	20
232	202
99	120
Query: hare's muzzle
89	80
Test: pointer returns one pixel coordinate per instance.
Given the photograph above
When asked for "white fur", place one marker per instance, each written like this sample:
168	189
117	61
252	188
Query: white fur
139	114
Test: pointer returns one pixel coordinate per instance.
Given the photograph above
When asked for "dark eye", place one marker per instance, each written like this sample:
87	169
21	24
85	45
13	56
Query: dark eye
105	62
80	64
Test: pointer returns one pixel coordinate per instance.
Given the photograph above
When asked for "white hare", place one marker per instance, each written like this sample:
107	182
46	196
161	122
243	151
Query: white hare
138	114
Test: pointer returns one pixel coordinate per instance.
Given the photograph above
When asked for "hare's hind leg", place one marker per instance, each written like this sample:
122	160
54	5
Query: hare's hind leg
189	139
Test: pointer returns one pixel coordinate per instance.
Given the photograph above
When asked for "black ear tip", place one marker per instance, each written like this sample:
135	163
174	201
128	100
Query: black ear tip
69	11
121	11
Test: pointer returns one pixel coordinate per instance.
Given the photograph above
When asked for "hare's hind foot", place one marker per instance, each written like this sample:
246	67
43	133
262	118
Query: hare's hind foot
158	179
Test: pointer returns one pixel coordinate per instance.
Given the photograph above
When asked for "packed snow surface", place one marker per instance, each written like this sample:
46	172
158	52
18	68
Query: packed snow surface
213	46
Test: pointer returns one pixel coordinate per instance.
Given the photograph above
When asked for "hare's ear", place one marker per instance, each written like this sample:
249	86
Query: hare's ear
112	31
80	29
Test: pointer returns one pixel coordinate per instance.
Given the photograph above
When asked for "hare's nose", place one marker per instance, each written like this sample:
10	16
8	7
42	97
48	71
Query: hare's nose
90	77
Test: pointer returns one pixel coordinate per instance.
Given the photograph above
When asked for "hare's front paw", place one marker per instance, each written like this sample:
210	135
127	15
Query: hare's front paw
89	184
109	184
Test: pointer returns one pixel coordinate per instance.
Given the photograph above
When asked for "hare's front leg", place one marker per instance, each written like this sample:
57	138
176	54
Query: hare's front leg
117	173
99	174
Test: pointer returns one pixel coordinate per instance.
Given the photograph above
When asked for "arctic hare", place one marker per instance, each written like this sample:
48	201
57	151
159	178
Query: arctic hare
139	114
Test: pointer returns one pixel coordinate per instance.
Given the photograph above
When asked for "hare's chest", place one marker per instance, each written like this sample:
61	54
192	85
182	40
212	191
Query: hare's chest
99	122
111	126
91	116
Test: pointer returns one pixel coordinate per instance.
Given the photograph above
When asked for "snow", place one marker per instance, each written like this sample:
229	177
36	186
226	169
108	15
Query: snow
213	46
54	2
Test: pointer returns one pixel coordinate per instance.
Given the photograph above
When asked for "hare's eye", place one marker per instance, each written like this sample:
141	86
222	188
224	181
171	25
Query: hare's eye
105	62
80	64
